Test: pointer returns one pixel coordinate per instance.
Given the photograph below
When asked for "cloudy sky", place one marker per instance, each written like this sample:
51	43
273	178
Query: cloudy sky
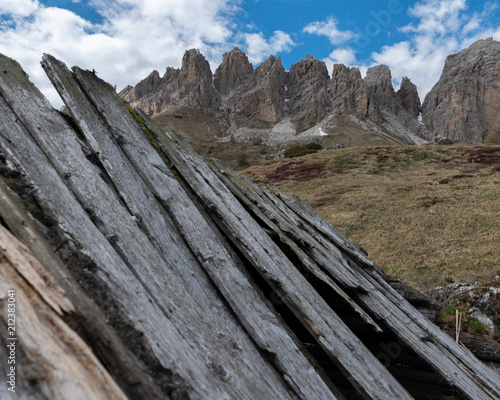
124	40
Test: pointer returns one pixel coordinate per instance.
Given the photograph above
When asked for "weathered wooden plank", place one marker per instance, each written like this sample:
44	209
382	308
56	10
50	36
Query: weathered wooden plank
128	371
345	270
53	355
367	374
116	151
374	304
146	289
264	326
330	258
457	365
459	356
121	284
463	370
133	220
276	220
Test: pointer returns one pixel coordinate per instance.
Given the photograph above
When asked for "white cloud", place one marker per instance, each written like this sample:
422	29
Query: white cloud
134	37
21	8
442	27
438	16
345	56
259	48
422	64
472	25
329	29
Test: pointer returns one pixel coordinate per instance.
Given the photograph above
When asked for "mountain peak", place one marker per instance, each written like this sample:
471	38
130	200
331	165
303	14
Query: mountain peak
254	100
235	68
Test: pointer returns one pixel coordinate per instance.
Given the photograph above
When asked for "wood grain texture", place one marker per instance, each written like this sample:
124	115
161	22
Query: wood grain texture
53	355
158	274
143	285
168	199
344	348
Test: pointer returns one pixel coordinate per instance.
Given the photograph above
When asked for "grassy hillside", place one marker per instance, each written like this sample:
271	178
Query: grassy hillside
430	215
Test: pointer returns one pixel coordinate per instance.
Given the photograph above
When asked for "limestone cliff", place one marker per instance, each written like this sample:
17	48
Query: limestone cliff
258	100
307	92
272	104
409	97
234	70
188	87
349	91
465	104
381	94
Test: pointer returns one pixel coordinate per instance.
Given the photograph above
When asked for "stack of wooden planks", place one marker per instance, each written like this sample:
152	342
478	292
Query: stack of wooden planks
142	271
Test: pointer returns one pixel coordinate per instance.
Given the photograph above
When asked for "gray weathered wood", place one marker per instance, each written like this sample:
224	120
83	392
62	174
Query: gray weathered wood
168	247
160	307
58	358
276	220
368	375
376	291
129	372
264	326
456	364
119	279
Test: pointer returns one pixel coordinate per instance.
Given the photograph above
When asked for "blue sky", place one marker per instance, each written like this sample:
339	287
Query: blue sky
124	40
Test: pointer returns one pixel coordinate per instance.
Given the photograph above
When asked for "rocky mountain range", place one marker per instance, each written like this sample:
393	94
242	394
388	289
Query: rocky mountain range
238	102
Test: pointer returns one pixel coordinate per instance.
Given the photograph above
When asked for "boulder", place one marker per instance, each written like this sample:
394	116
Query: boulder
479	302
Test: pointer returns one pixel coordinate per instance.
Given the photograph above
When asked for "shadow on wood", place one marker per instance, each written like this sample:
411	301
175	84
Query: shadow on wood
149	272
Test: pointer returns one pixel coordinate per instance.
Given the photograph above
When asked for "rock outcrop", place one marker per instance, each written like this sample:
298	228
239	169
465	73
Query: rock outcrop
464	105
234	70
349	91
258	100
143	88
478	302
381	95
307	95
479	306
373	99
273	104
188	87
408	95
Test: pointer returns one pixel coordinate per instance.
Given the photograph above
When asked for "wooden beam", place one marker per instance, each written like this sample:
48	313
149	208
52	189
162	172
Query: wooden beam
46	350
168	197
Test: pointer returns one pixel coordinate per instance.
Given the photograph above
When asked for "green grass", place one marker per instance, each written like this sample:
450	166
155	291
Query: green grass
300	150
426	214
452	310
477	326
468	324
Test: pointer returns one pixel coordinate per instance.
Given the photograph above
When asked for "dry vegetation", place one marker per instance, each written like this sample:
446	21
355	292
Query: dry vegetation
430	215
203	131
